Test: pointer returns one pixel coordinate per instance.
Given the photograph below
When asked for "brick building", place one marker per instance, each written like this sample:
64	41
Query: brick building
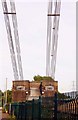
27	90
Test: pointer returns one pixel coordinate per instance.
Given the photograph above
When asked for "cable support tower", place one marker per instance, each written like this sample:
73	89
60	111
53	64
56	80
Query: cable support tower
52	36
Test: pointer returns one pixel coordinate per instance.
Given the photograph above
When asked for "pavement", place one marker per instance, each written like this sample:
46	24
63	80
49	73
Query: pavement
0	113
3	116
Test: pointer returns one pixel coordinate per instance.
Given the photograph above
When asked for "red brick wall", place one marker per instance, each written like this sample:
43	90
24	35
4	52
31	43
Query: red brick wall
20	95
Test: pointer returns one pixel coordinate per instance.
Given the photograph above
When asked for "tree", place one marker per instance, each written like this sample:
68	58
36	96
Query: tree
62	96
1	98
47	78
38	78
0	93
9	96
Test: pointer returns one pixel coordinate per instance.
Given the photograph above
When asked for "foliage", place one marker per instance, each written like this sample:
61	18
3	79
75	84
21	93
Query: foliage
41	78
47	78
62	96
38	78
9	96
1	93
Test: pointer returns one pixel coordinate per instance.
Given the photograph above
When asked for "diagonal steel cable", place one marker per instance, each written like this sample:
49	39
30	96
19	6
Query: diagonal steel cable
10	40
14	20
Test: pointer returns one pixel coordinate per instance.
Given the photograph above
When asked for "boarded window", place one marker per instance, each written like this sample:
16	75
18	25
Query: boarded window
51	88
20	87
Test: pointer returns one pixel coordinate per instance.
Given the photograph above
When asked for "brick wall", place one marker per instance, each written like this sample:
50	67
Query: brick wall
19	95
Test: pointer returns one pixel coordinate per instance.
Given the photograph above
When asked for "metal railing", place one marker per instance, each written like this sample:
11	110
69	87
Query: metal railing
60	107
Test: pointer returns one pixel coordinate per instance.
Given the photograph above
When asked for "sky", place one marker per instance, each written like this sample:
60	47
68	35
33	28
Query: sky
32	28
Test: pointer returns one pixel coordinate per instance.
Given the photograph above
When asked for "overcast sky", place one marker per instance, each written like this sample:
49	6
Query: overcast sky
32	28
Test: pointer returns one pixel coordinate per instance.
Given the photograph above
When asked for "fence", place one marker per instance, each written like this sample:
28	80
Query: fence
29	110
60	107
67	106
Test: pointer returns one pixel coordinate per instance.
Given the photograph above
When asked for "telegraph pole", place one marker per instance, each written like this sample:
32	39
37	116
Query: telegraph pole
6	92
73	86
